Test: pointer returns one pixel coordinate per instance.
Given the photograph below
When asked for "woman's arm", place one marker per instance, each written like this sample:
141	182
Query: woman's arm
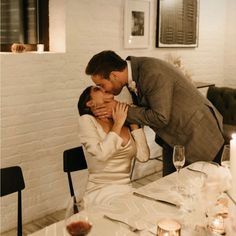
98	146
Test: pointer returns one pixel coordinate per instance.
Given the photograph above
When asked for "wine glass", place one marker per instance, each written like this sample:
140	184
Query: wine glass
77	222
178	161
225	157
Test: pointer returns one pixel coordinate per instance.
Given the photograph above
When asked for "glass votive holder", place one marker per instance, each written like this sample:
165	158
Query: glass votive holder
217	225
40	47
168	227
223	208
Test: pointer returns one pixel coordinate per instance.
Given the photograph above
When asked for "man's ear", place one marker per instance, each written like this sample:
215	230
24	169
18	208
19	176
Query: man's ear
112	76
90	103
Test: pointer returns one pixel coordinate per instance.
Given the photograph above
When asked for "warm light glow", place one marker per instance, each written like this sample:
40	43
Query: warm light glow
217	225
234	136
169	225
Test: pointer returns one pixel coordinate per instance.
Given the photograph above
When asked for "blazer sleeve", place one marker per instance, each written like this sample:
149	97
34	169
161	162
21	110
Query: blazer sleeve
100	148
143	151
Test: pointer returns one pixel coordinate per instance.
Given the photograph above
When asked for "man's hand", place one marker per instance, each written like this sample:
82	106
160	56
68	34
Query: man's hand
104	110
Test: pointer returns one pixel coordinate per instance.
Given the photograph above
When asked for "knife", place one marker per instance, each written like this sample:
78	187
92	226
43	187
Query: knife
157	200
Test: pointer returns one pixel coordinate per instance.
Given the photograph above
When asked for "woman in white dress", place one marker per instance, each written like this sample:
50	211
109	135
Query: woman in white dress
109	147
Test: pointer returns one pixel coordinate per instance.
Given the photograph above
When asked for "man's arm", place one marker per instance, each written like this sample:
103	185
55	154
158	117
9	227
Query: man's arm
157	90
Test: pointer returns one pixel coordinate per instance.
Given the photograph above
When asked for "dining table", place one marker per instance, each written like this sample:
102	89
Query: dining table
138	212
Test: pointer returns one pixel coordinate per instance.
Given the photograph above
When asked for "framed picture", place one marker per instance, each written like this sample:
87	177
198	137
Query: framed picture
136	23
177	23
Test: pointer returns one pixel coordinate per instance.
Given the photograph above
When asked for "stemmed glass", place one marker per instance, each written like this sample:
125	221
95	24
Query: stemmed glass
225	157
77	223
178	161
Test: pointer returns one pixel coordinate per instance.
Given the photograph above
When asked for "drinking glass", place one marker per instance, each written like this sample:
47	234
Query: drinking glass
77	223
225	157
178	161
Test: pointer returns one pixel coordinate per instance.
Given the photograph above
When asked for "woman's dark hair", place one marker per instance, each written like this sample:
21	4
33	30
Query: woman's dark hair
82	103
104	63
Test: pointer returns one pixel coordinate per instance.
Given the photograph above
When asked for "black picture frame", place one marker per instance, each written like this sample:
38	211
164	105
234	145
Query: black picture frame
177	23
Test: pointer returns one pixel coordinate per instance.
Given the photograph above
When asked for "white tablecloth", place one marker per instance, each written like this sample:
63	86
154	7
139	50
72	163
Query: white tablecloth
140	213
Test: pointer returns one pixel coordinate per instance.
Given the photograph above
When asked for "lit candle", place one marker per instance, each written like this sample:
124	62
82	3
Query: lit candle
168	227
217	225
233	162
40	47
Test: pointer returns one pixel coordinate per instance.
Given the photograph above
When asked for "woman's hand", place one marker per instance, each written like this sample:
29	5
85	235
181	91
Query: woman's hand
119	115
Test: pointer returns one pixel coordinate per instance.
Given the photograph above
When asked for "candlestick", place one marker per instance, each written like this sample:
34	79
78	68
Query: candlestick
233	163
168	227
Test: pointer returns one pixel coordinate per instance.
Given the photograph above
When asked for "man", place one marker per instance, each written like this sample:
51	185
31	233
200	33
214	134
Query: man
167	102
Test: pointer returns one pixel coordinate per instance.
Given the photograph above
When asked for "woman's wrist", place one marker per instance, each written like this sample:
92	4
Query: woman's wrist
134	126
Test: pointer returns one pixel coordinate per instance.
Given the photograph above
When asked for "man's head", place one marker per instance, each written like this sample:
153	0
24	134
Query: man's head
109	71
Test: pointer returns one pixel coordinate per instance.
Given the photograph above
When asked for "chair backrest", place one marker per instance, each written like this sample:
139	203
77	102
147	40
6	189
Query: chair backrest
73	160
12	181
224	99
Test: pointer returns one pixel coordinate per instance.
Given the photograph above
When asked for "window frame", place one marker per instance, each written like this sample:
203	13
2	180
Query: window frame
42	27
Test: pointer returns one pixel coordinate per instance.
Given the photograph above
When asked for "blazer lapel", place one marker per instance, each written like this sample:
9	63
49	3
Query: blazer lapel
135	76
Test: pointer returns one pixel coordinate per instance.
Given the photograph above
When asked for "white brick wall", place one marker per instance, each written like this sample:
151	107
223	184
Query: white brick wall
39	92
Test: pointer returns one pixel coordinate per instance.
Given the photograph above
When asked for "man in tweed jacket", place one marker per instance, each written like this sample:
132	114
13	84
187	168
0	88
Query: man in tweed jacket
167	102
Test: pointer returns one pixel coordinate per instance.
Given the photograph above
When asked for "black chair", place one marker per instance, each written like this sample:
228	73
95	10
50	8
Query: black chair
12	181
224	100
73	160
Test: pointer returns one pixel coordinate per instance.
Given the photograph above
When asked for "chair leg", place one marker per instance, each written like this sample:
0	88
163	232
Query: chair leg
70	185
19	216
75	206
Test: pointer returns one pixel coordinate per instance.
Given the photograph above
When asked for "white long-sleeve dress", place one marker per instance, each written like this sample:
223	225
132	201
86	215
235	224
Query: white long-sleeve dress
109	163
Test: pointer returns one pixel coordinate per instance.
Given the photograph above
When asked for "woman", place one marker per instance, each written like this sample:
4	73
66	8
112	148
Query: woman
109	147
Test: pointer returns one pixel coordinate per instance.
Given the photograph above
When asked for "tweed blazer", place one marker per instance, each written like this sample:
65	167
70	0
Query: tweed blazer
173	107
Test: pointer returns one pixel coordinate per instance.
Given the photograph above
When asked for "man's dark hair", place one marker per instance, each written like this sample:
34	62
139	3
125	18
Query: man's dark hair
82	103
104	63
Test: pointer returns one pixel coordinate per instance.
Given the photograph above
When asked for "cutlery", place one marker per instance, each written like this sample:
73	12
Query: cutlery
198	171
120	221
155	199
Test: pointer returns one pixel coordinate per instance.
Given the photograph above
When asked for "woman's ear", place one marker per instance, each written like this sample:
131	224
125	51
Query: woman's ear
90	103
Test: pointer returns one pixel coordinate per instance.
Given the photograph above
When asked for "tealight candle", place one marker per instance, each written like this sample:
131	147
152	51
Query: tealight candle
40	47
217	225
168	227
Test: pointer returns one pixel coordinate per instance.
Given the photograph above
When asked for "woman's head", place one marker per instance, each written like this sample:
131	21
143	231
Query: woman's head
91	97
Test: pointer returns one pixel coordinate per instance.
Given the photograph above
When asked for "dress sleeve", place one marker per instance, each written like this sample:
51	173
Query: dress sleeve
99	147
143	151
